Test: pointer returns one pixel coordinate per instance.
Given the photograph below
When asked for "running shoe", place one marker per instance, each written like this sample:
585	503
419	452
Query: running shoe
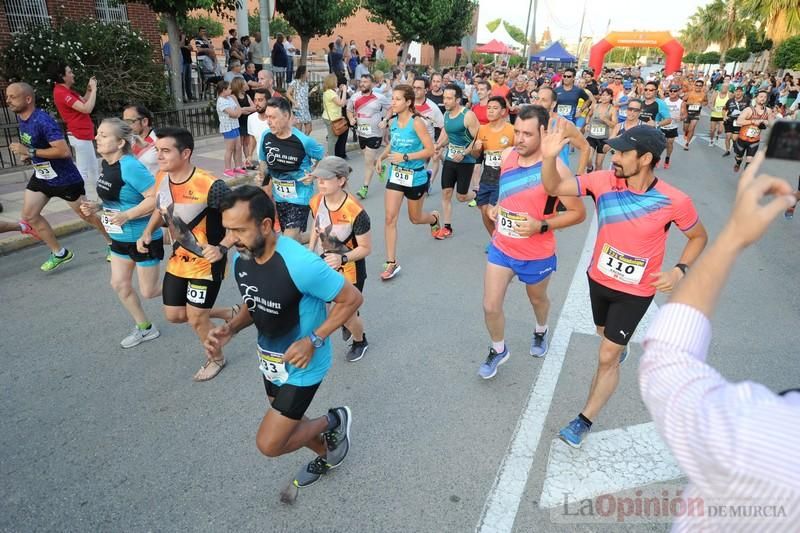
539	344
230	173
473	203
310	473
139	336
436	226
623	355
338	440
443	234
488	368
390	270
108	253
362	192
346	334
27	229
727	153
666	166
574	432
711	142
54	262
736	167
357	350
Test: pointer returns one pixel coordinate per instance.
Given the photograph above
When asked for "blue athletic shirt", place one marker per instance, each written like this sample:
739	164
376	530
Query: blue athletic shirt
289	160
286	297
406	141
121	186
567	101
38	131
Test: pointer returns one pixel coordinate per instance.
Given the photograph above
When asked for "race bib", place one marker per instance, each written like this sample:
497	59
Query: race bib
506	220
752	131
286	188
196	293
44	170
402	176
453	150
621	266
105	217
493	158
598	130
564	110
272	366
364	130
694	108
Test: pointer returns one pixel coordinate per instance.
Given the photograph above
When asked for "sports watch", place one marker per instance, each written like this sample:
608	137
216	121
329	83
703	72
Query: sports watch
32	152
545	227
316	341
405	157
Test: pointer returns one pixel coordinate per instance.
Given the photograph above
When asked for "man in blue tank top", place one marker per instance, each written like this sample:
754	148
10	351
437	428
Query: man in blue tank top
460	129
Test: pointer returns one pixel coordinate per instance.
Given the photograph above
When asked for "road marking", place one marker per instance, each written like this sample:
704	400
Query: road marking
593	470
502	504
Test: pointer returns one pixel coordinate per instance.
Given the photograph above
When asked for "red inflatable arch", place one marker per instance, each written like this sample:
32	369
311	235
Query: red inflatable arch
661	39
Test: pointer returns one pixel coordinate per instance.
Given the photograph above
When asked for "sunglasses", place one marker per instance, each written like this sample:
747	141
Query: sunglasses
635	109
650	89
673	90
568	76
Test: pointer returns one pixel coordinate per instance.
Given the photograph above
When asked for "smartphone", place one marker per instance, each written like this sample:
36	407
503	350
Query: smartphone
784	140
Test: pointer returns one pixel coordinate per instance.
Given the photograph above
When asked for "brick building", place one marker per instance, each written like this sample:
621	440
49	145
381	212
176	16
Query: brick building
15	15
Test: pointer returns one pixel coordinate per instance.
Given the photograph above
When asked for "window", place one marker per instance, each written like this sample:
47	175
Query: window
111	11
24	14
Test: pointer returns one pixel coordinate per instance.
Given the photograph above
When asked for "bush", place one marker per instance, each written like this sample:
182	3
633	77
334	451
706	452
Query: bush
737	55
277	25
787	54
191	26
385	66
691	57
516	61
709	58
120	58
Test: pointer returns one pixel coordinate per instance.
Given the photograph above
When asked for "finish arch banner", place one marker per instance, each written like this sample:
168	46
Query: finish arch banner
635	39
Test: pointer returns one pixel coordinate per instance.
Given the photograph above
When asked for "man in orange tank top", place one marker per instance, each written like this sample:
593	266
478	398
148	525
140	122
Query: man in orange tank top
751	122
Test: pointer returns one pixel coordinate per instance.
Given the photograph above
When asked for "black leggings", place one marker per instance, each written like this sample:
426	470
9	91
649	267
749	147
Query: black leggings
341	144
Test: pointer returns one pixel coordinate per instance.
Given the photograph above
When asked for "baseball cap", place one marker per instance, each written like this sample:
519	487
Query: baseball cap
331	167
640	138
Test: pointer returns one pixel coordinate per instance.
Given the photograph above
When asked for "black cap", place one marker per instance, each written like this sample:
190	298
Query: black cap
642	139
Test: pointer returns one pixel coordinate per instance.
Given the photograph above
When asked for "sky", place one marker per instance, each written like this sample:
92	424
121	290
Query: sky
563	17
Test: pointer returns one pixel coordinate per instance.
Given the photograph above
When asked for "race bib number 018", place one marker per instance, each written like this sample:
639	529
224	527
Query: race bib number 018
105	217
272	365
621	266
286	188
493	158
402	176
506	220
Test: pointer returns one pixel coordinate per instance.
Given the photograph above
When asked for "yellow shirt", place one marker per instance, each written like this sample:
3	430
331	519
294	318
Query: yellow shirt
331	111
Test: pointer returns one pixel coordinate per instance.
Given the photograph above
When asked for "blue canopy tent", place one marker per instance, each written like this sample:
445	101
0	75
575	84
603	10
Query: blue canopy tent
555	53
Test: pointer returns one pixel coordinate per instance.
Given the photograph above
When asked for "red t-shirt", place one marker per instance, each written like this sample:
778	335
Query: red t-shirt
480	113
79	125
632	229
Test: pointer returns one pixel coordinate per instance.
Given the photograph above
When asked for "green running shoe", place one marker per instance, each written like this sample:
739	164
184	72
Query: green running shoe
54	262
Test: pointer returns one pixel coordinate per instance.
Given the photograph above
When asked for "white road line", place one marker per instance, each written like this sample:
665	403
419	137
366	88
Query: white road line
503	501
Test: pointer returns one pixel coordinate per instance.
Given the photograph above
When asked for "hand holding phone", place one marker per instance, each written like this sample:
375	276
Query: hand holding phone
784	140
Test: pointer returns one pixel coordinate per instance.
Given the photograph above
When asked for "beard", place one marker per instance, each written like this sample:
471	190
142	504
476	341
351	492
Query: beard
620	172
249	252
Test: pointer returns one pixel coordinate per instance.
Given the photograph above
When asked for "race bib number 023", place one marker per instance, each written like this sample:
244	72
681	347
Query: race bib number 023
621	266
272	365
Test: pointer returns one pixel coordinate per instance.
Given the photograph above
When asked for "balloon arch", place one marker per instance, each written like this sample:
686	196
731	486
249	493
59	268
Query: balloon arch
659	39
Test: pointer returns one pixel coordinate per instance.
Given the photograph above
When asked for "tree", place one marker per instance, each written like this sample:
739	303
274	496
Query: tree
757	42
454	23
691	57
709	58
493	25
170	10
514	32
780	18
277	24
407	20
787	54
191	25
314	17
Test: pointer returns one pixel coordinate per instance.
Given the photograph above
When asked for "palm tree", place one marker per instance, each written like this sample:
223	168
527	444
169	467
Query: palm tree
781	18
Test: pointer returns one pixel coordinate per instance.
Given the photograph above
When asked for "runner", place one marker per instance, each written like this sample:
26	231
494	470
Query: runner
343	239
733	108
143	147
483	90
693	102
603	117
524	244
436	95
676	113
126	189
493	139
366	110
54	174
284	288
518	97
752	120
190	195
721	97
634	211
547	99
409	147
460	128
567	96
288	154
256	126
655	112
427	109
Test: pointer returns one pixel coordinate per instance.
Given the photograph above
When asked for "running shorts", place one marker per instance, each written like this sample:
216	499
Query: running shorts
369	142
412	193
292	216
529	272
741	148
597	144
669	133
128	250
618	312
68	193
291	401
488	194
180	292
458	175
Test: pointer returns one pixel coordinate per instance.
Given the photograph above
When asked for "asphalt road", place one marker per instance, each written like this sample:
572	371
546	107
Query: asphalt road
99	438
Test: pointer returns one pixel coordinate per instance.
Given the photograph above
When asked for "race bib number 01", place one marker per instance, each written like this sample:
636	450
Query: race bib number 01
364	130
506	220
402	176
105	217
454	149
286	188
564	110
621	266
272	366
493	158
196	293
44	170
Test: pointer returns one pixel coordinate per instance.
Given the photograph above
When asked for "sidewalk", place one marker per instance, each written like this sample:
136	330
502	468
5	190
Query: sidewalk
208	154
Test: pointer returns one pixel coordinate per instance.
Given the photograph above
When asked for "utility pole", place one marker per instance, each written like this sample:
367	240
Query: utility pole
533	29
580	34
527	27
264	12
241	18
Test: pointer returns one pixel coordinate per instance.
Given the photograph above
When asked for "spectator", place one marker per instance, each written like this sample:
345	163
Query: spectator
228	111
333	100
239	91
251	77
237	51
298	95
738	443
75	111
291	51
186	56
266	81
206	57
381	53
336	60
226	45
355	60
246	49
234	72
280	59
362	69
257	51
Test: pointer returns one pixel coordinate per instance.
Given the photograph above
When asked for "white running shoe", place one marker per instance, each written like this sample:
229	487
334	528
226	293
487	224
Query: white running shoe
139	336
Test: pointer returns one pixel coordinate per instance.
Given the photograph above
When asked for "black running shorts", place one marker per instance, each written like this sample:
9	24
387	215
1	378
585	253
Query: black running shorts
458	175
155	251
68	193
369	142
291	401
741	148
669	133
618	312
412	193
292	215
179	292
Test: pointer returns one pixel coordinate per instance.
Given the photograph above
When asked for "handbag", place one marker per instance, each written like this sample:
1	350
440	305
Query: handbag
339	126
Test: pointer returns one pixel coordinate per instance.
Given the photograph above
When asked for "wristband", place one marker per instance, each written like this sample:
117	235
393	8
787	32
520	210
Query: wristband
682	267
